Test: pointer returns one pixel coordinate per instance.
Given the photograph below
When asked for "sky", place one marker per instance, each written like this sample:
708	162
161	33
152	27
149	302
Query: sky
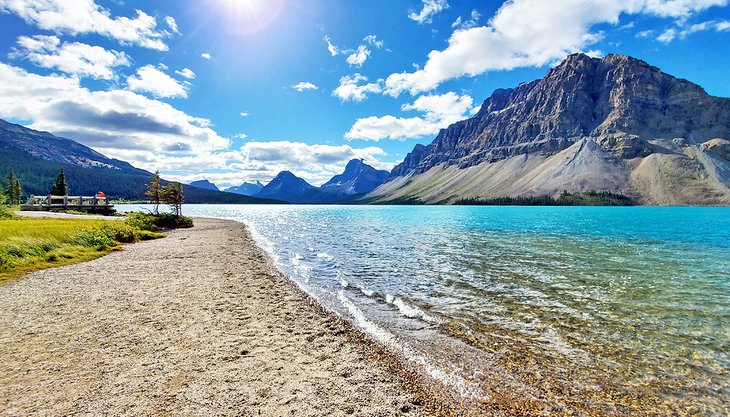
239	90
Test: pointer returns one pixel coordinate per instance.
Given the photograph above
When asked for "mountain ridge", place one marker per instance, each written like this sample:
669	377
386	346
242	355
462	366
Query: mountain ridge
628	108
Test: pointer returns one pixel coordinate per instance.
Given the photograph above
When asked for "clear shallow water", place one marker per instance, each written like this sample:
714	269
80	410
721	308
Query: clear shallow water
623	309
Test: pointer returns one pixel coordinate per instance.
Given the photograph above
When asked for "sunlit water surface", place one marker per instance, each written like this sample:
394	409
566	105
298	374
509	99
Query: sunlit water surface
617	308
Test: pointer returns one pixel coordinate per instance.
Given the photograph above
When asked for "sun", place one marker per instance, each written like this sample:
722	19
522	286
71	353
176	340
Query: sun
249	16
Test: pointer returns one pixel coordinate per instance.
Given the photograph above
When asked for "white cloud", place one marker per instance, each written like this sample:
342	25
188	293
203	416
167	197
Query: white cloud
373	41
359	56
187	73
241	136
151	80
351	89
526	33
472	22
685	30
430	8
314	162
74	58
112	120
205	55
86	17
244	114
305	85
172	24
333	50
439	111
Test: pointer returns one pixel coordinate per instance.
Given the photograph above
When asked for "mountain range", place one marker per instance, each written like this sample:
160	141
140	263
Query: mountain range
357	180
614	124
36	158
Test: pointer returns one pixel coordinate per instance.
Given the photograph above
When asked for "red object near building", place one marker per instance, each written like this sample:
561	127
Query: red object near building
100	194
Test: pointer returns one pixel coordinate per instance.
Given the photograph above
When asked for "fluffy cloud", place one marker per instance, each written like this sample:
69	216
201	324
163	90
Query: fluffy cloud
333	50
358	57
526	33
151	80
86	17
116	119
439	112
74	58
304	85
205	55
430	8
187	73
351	89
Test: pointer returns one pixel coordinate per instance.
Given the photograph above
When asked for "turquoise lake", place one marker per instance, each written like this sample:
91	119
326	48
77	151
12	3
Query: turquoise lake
625	307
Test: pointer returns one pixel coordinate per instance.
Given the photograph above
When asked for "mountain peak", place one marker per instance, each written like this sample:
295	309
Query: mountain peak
205	184
358	178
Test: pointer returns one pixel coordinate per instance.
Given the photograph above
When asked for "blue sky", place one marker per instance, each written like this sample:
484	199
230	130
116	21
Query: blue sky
234	90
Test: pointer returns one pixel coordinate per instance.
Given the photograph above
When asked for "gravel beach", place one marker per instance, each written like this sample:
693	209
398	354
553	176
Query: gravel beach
197	323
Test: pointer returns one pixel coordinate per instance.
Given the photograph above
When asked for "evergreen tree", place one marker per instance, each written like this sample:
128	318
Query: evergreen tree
154	191
173	195
16	191
60	187
2	195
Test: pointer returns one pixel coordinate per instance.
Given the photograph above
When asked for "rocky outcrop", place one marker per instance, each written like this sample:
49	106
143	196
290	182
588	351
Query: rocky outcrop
622	103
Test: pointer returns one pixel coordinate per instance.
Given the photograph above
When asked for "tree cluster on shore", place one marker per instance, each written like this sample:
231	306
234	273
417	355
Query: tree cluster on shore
14	191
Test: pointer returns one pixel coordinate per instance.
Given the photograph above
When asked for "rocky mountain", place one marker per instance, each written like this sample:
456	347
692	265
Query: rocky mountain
358	178
37	157
204	184
287	187
247	188
616	124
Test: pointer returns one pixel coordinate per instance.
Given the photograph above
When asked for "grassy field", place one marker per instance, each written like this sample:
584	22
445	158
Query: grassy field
31	244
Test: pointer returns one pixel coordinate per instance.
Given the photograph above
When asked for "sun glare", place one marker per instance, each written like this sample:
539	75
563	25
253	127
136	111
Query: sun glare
248	16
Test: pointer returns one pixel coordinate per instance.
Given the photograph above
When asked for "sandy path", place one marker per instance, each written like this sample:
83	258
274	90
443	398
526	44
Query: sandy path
193	324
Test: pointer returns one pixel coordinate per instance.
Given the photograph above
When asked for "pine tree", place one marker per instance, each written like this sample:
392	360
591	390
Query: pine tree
16	191
60	187
154	190
2	195
173	195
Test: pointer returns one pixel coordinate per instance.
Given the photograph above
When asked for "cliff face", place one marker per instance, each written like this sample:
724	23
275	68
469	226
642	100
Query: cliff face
620	102
628	108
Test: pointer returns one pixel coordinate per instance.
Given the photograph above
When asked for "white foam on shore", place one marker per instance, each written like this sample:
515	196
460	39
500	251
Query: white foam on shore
386	338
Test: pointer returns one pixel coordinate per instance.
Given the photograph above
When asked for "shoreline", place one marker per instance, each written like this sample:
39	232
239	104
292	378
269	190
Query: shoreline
198	322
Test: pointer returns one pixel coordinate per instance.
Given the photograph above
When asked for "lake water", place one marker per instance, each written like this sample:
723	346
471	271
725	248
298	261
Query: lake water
620	310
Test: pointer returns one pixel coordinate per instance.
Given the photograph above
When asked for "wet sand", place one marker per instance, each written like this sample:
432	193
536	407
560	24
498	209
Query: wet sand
197	323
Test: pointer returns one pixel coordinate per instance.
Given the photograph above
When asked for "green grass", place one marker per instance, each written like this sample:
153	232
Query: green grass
31	244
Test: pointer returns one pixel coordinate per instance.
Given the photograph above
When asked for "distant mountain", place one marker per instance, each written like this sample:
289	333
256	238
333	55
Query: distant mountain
247	188
204	184
286	186
37	157
358	178
615	124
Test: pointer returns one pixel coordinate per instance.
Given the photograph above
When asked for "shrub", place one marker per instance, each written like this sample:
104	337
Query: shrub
155	222
142	221
6	213
94	238
173	221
